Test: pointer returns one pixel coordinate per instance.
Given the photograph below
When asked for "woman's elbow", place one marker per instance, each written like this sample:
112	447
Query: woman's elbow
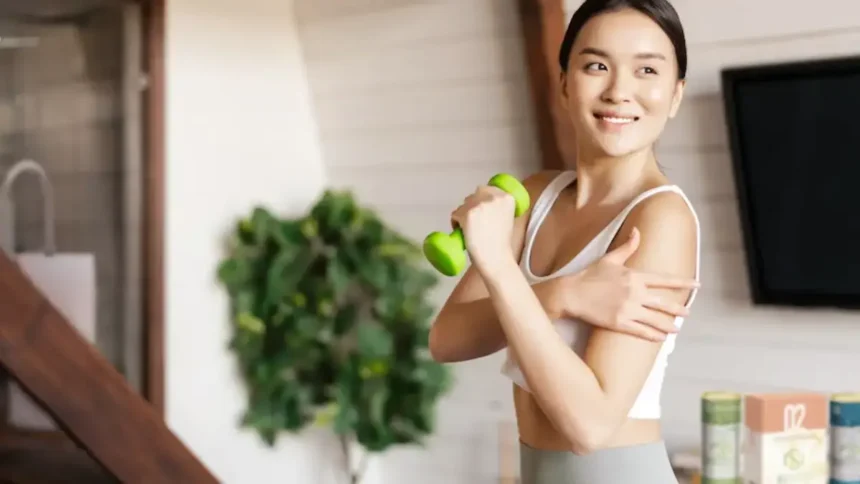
435	343
450	342
588	437
582	445
443	348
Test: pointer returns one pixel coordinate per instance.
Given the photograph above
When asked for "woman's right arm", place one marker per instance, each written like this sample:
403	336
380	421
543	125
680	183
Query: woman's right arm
466	327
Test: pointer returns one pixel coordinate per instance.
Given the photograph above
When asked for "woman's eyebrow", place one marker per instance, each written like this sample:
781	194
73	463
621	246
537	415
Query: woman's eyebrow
602	53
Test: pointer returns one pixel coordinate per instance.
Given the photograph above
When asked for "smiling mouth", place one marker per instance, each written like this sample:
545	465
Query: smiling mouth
615	118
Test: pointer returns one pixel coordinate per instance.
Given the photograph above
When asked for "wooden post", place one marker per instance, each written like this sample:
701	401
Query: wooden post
82	391
543	26
153	264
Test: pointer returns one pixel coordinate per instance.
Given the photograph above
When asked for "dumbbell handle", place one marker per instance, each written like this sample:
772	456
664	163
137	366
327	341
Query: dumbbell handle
503	182
458	237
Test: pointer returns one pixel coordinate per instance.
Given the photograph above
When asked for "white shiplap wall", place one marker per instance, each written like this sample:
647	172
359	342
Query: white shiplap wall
727	343
417	103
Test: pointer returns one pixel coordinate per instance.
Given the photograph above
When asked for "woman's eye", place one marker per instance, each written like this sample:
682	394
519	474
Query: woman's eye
648	70
596	66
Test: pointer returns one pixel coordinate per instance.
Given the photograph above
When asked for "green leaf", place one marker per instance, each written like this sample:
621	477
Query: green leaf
375	273
245	231
309	228
281	315
286	272
262	224
376	412
405	431
387	306
265	419
233	273
288	235
346	420
374	343
335	214
339	276
345	393
244	301
278	279
251	324
345	319
326	415
306	327
294	416
426	417
374	231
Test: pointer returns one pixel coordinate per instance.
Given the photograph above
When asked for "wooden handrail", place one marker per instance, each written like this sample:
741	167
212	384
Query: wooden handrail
87	397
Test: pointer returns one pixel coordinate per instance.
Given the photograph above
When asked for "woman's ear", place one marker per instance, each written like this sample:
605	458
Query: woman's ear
677	97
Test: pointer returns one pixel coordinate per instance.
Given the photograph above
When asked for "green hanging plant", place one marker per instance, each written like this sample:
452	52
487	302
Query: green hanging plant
331	316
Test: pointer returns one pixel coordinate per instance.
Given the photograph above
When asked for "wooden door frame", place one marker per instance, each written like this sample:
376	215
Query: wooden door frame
154	328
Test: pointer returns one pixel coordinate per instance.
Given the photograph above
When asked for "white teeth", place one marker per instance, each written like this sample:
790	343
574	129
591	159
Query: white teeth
618	120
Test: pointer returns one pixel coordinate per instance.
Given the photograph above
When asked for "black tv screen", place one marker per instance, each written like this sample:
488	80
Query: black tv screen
794	134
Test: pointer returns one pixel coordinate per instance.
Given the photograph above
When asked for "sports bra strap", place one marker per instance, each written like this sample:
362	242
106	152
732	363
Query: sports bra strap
543	205
615	225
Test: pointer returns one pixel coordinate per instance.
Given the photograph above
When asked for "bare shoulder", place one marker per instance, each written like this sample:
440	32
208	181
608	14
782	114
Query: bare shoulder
665	210
536	182
669	234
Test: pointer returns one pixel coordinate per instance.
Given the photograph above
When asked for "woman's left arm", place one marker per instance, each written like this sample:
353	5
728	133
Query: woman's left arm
588	398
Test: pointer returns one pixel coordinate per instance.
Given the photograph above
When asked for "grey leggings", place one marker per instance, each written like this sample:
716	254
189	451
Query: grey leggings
636	464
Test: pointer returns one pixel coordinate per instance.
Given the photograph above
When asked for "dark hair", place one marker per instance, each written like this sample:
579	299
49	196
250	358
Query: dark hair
660	11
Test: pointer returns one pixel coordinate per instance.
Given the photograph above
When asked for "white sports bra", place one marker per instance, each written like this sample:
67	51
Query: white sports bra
575	332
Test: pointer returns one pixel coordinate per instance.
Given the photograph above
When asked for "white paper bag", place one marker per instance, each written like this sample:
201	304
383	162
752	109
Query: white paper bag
68	281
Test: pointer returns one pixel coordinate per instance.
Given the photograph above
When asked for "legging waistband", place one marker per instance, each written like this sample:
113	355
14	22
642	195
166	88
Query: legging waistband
640	464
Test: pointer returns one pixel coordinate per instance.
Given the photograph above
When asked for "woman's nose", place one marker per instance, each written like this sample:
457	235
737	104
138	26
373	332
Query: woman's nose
618	91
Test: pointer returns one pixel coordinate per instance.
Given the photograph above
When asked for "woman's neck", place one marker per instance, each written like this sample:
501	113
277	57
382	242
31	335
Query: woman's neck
606	180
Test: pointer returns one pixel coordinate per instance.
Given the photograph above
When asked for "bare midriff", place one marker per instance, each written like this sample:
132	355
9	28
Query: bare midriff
537	431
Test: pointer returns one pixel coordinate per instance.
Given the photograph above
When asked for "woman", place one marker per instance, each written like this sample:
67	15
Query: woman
591	290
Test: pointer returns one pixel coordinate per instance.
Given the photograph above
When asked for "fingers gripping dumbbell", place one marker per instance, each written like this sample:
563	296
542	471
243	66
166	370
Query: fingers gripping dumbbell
447	252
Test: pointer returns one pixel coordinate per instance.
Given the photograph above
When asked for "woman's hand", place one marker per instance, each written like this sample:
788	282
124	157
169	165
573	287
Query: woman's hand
486	218
609	295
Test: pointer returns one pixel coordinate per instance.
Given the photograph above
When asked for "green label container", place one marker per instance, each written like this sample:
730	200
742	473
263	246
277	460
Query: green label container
721	437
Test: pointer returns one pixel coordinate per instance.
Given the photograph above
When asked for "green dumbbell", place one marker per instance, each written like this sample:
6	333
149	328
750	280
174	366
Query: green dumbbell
447	252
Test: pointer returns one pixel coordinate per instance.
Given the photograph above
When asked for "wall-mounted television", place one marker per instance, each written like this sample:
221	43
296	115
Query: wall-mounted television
794	138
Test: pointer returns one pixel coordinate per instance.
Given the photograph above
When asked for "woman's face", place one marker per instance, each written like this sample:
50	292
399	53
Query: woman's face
621	84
